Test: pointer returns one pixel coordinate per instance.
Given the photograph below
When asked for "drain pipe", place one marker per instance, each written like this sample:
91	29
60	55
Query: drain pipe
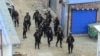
68	20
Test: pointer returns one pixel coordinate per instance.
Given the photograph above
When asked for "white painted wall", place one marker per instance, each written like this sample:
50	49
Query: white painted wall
7	50
98	45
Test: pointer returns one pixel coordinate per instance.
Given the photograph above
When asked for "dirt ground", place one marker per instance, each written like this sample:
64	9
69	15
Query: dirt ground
83	46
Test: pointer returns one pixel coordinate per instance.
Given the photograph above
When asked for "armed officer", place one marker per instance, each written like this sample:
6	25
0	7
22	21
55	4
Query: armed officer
49	35
37	39
27	19
59	36
70	41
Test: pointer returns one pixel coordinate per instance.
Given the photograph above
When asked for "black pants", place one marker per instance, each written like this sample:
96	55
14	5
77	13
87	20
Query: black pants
55	29
44	32
59	39
37	42
24	34
29	24
40	38
36	23
49	40
16	22
70	47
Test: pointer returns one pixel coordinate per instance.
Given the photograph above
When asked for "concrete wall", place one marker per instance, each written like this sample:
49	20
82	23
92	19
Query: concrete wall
58	12
45	3
88	5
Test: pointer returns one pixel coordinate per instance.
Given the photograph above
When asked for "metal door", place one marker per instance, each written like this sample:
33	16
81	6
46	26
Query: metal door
81	19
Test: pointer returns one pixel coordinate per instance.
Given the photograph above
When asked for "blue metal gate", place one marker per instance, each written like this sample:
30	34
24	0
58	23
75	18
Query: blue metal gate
81	19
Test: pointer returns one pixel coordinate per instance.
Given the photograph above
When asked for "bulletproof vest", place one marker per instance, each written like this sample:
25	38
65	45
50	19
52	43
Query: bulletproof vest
60	33
26	18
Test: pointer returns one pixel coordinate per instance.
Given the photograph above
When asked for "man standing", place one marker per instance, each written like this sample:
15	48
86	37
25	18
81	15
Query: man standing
40	19
15	17
41	32
24	30
59	36
27	19
48	16
45	28
35	16
37	39
70	41
49	35
56	24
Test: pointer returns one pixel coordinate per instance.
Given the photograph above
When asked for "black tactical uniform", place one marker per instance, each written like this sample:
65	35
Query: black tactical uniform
40	32
27	19
70	41
47	22
35	16
45	28
59	37
40	19
56	24
49	35
37	39
49	16
15	16
24	30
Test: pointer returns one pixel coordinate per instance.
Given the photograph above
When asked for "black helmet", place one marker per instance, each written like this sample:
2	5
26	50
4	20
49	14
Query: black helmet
27	13
70	34
56	17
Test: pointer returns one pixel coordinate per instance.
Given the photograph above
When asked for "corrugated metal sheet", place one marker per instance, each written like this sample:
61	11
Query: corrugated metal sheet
81	1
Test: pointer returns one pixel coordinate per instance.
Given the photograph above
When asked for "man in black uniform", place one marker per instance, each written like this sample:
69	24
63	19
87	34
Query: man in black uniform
27	19
24	30
48	23
59	36
49	35
15	17
35	16
48	16
40	19
41	32
70	41
45	28
56	24
37	39
12	11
